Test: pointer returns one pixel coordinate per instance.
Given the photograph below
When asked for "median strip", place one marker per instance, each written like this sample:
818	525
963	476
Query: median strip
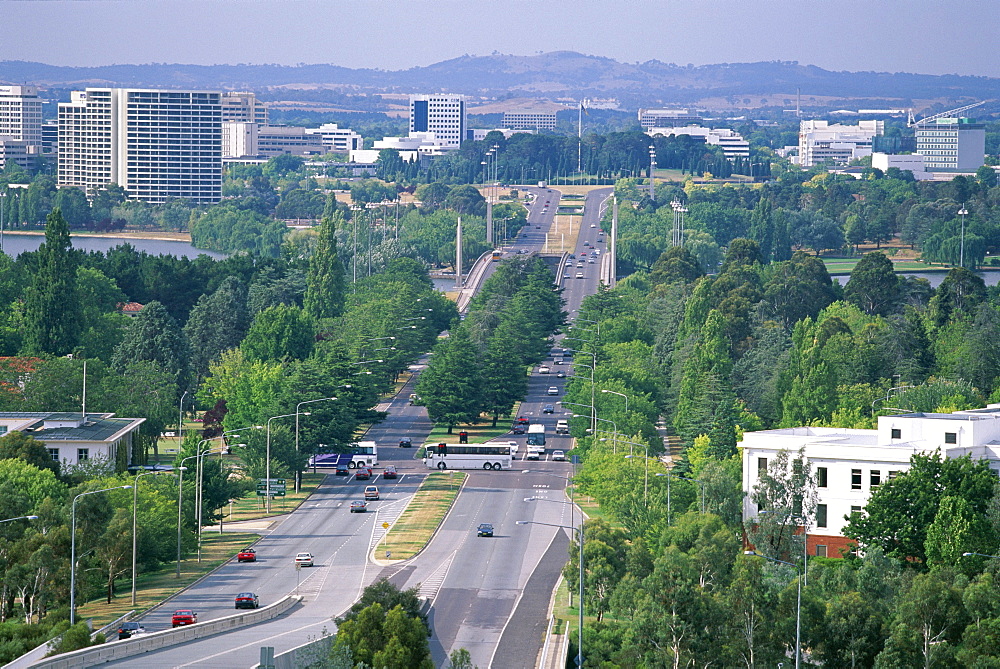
422	516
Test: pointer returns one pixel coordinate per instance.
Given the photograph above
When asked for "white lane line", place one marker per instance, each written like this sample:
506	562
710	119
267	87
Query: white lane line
431	585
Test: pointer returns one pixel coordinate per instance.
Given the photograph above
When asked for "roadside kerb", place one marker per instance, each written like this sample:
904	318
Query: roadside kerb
118	650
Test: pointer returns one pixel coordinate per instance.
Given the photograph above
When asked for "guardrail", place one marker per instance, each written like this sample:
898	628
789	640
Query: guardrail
118	650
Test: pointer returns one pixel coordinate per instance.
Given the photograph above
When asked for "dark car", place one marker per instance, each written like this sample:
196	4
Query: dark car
342	470
484	530
405	442
363	474
183	617
548	408
129	630
247	600
389	472
358	506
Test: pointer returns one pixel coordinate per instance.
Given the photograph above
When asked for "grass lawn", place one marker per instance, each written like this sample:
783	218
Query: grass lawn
422	516
478	433
154	587
252	507
846	265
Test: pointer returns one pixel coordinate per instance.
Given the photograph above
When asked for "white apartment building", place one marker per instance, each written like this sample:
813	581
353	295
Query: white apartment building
732	143
20	125
951	143
821	141
443	115
525	119
275	140
668	118
336	139
848	465
243	107
157	144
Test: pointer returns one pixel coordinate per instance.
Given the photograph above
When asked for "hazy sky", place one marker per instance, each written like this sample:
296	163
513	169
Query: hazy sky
927	36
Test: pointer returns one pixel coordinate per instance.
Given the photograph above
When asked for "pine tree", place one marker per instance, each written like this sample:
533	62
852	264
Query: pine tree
326	282
52	311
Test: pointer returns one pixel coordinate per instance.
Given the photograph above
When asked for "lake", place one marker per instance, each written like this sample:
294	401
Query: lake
990	276
15	243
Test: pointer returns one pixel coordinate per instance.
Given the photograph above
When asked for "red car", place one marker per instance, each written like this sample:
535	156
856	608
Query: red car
183	617
389	472
363	474
246	555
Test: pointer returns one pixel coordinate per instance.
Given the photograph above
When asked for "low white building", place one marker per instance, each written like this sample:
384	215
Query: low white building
913	162
849	464
74	438
336	139
821	141
732	143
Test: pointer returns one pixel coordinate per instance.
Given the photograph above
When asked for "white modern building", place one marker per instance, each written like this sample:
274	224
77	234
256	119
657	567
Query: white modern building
336	139
914	162
239	139
157	144
75	438
243	107
442	115
848	465
822	141
20	125
526	119
732	143
951	143
668	118
275	140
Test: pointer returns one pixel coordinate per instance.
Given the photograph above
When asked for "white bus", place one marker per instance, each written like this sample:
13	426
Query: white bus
467	456
365	453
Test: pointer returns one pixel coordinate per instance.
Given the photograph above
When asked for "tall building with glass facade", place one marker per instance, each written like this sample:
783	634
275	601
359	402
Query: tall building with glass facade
157	144
443	115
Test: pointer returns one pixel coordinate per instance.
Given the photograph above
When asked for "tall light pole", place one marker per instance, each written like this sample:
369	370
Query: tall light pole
619	395
798	603
72	540
180	422
2	203
11	520
652	164
298	472
180	509
267	464
995	557
961	252
135	528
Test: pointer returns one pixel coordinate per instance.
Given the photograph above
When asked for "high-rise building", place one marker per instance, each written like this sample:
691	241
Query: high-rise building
443	115
951	143
243	107
20	125
156	144
821	141
527	119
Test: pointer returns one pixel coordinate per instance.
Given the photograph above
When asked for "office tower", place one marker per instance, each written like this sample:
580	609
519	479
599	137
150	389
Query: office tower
442	115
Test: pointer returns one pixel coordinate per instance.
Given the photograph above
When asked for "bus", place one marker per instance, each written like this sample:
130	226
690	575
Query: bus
467	456
497	255
361	454
365	453
536	435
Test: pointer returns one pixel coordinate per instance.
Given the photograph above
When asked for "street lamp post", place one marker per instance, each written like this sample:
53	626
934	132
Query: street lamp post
135	526
798	603
961	252
180	422
298	472
10	520
620	395
267	463
72	540
995	557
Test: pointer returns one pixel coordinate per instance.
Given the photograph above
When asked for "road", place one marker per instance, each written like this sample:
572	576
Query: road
490	595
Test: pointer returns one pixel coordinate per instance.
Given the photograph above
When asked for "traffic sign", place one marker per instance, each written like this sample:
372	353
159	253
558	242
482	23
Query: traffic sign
276	487
385	526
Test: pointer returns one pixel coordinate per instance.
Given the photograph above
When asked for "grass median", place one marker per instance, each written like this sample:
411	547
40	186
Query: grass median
422	516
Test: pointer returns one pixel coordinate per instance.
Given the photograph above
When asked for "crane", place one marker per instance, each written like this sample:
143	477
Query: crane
945	114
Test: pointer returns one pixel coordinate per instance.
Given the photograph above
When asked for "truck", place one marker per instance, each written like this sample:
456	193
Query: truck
536	435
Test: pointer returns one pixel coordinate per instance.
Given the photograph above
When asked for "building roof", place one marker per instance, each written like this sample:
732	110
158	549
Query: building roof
71	426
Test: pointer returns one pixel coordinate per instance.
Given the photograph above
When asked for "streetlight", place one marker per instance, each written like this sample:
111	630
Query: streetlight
135	526
620	395
180	422
72	540
267	465
10	520
579	646
652	164
995	557
961	253
798	603
298	472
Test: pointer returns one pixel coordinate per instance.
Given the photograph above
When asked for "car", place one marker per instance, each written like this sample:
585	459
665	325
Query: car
579	265
543	370
593	225
389	472
405	442
413	398
548	408
371	493
571	256
558	455
518	428
363	473
567	276
533	453
597	252
484	530
342	470
304	559
358	506
247	600
183	617
246	555
129	630
560	361
513	448
560	374
553	390
579	275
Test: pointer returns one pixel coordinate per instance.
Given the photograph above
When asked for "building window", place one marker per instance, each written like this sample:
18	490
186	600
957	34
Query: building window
896	433
951	437
820	550
54	454
876	478
893	474
855	509
821	479
821	515
855	479
761	466
82	454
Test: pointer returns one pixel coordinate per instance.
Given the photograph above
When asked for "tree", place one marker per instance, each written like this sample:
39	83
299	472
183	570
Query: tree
451	386
960	294
873	286
325	282
278	333
24	447
154	336
218	322
504	380
389	640
956	529
52	312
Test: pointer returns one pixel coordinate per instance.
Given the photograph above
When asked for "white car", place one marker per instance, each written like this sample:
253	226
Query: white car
558	455
513	448
553	390
304	559
579	275
543	370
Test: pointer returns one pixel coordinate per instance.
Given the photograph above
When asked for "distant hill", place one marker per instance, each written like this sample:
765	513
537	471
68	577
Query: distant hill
560	74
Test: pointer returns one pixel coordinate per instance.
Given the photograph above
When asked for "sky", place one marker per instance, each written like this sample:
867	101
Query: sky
924	36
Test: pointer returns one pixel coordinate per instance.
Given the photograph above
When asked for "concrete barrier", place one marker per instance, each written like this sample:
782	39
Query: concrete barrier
118	650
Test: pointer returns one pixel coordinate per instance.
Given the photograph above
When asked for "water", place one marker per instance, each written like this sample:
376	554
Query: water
14	244
990	276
